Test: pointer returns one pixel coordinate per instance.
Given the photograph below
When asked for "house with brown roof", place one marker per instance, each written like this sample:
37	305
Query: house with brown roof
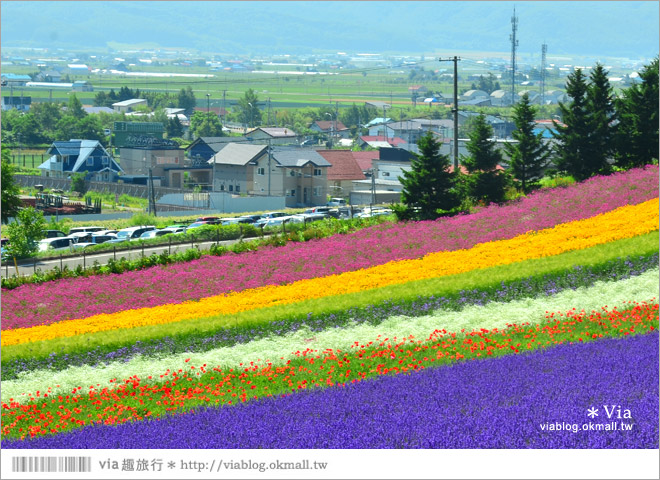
343	170
334	128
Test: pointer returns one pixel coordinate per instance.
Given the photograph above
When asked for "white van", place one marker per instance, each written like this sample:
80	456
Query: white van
59	243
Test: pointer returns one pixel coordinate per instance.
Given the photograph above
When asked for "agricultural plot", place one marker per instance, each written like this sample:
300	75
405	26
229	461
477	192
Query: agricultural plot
506	328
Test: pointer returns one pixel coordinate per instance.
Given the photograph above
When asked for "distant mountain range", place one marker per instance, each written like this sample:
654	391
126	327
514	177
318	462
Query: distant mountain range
607	29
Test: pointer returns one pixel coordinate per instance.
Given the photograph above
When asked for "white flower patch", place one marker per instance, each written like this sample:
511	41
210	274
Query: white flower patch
279	349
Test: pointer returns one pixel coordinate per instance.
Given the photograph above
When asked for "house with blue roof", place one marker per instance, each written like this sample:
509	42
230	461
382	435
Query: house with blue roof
13	79
86	156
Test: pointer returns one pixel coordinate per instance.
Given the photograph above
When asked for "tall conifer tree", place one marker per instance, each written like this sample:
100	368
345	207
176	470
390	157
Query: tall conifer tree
637	131
529	156
572	136
600	104
429	188
485	183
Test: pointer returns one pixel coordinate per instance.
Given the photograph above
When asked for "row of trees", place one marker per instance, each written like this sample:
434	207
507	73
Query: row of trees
185	98
47	122
599	134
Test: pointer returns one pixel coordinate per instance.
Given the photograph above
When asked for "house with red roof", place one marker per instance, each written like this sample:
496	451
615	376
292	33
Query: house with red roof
344	170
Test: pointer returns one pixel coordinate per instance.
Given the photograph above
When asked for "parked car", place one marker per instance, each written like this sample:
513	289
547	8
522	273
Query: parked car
197	224
336	202
54	244
278	221
94	240
234	221
85	229
253	218
375	212
211	220
154	234
131	233
174	230
4	243
54	234
312	217
270	215
106	232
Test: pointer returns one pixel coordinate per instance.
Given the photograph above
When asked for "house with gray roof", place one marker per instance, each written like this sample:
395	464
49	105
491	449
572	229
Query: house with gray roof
203	148
500	98
296	173
274	135
234	167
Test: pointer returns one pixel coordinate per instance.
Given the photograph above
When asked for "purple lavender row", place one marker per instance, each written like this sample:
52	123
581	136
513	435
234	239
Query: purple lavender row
537	400
51	302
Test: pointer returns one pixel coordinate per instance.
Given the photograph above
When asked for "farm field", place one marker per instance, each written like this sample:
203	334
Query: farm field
504	329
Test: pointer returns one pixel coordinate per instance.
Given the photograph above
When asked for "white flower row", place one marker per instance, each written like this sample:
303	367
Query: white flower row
279	349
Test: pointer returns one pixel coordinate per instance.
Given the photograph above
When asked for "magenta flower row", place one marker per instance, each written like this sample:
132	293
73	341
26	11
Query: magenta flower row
51	302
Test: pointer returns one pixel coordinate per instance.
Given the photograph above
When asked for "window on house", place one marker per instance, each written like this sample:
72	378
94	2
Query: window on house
238	188
386	174
222	188
292	193
292	173
231	188
317	172
90	161
261	171
105	160
317	191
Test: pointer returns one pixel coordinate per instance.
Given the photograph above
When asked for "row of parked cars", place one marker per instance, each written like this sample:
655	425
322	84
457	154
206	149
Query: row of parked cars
83	237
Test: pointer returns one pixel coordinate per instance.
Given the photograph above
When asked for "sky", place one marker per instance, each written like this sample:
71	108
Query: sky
597	28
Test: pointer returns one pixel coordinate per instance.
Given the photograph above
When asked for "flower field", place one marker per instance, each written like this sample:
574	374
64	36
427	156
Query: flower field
478	331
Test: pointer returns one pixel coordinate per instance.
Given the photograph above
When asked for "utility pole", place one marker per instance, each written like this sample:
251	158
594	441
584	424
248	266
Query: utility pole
544	50
514	44
455	59
152	199
270	156
224	107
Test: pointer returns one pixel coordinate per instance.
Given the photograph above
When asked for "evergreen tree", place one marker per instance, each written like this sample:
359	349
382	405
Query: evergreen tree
75	108
530	155
637	111
573	137
484	183
186	99
429	188
174	127
600	104
248	108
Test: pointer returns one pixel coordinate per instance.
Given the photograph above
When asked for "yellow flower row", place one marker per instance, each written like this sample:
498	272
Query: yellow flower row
624	222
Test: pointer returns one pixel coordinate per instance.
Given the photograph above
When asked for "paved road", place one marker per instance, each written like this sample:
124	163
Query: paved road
29	267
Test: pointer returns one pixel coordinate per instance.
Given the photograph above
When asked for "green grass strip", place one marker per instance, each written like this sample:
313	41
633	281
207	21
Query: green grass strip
442	286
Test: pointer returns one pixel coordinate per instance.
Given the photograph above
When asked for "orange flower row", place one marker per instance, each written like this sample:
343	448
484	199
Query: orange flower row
624	222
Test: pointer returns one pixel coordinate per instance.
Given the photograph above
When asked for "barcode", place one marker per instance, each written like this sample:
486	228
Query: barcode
51	464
